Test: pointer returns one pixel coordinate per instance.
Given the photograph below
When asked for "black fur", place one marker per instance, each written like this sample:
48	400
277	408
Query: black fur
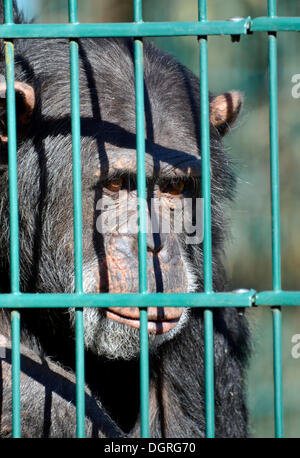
45	195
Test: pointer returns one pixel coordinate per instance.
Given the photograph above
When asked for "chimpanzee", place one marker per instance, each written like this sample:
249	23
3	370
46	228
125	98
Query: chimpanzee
110	259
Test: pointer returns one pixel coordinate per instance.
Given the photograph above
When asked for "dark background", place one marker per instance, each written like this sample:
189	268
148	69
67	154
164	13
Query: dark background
242	66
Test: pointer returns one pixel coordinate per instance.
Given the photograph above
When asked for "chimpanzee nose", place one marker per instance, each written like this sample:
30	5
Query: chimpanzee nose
155	242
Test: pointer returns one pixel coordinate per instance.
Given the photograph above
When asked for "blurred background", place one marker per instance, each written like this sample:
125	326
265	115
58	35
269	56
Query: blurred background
241	66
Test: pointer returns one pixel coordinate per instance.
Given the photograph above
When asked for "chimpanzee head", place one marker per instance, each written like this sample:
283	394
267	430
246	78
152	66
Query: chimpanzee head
109	181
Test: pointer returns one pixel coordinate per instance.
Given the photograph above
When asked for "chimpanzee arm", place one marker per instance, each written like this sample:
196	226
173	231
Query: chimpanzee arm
48	399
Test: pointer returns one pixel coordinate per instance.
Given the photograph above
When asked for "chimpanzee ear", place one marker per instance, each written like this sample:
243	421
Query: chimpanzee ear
224	110
25	103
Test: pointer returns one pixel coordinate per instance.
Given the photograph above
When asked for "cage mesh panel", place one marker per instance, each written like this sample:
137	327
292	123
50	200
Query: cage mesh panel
207	299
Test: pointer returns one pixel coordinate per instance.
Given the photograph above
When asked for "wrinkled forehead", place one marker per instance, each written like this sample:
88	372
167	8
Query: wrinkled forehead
159	161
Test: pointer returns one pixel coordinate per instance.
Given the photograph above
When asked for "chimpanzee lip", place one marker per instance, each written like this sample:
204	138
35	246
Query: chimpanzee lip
159	326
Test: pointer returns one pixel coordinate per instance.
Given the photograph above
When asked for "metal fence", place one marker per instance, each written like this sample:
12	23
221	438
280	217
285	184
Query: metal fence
208	299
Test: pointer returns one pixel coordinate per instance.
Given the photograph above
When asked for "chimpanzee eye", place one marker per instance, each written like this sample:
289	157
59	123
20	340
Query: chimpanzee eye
174	187
114	185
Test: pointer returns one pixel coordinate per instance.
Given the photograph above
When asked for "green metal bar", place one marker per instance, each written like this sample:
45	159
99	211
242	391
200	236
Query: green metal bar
205	152
144	373
8	12
142	207
77	211
275	211
73	12
209	373
138	29
151	29
75	300
277	369
16	365
80	379
202	11
264	298
12	168
286	298
138	11
274	162
272	8
141	179
207	245
77	199
13	222
275	24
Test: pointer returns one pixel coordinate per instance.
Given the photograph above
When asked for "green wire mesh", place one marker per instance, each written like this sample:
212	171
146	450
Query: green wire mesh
207	299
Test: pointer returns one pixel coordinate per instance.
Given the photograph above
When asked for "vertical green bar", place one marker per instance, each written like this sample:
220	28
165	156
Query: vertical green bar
80	382
277	367
274	156
15	372
13	220
12	168
142	206
207	244
8	12
77	206
275	210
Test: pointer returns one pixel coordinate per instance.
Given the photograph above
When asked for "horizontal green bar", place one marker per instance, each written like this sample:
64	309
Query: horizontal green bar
151	29
278	298
246	299
28	300
275	24
142	29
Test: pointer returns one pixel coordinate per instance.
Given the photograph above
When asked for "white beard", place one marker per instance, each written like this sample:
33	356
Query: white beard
114	340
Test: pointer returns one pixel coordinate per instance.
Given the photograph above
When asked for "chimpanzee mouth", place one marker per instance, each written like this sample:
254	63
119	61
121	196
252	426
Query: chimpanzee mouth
160	320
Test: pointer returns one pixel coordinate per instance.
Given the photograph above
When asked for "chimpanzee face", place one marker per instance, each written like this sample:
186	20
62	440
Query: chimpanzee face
109	184
171	188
